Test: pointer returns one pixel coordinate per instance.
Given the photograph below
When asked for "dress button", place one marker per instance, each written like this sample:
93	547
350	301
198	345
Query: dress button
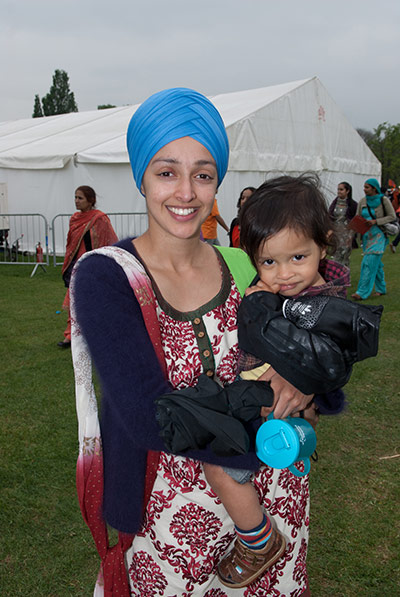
206	353
209	373
201	334
197	320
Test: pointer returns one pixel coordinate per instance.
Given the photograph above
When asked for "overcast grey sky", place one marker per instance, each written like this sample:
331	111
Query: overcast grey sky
120	51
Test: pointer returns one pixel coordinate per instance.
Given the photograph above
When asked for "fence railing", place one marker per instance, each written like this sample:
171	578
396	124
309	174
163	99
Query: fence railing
24	239
125	224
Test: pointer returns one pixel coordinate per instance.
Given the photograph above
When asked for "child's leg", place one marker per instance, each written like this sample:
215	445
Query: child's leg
258	545
240	500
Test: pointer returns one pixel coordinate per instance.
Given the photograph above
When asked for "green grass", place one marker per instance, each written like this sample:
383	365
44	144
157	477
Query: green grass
46	549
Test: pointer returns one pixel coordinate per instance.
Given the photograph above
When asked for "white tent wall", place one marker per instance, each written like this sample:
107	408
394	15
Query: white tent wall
51	192
283	129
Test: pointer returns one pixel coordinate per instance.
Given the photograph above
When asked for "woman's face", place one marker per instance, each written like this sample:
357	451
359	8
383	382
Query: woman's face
244	196
180	184
342	191
369	190
81	203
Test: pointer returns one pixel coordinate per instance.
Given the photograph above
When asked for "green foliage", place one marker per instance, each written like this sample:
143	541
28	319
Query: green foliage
46	549
37	108
105	106
384	141
59	100
365	135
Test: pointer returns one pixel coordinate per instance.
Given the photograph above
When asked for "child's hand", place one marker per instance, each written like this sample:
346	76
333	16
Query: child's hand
262	286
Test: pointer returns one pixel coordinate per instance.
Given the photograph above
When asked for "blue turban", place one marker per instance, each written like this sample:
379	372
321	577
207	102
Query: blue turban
172	114
374	183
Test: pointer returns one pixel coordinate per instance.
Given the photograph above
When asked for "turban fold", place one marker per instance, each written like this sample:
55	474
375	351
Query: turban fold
172	114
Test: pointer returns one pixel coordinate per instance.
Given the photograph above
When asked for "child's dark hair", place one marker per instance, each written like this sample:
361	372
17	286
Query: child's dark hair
285	202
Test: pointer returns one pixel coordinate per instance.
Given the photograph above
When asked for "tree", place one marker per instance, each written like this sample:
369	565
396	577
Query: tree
385	143
365	135
59	100
105	106
37	108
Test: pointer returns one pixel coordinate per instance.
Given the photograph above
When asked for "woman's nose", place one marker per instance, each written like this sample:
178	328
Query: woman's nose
185	190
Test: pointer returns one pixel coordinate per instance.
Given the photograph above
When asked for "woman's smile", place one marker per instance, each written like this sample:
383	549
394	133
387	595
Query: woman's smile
182	211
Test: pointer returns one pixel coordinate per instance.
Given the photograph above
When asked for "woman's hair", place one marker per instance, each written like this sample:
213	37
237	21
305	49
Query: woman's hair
348	188
252	189
89	193
294	202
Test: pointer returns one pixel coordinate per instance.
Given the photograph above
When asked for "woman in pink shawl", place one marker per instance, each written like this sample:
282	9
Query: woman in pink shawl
89	228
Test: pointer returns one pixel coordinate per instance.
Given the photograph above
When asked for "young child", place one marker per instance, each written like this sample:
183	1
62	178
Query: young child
297	319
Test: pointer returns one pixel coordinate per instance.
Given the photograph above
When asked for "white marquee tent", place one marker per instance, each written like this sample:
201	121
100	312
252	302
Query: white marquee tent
288	128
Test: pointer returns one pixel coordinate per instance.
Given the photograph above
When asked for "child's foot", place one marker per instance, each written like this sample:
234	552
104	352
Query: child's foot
243	565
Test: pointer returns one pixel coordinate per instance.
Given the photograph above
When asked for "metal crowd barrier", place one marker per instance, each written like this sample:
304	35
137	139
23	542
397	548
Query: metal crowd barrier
124	224
24	239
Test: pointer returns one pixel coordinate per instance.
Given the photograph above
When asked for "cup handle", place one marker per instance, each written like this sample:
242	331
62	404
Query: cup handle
293	469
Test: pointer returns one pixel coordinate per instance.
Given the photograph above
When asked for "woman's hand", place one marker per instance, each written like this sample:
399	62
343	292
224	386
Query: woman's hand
274	288
288	400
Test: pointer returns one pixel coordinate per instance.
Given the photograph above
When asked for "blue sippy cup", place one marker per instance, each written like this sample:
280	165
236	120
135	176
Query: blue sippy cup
282	442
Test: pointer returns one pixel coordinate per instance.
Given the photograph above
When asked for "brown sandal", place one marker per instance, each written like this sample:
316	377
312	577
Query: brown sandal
243	565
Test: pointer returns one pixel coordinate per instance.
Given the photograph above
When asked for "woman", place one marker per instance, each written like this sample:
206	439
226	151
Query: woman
377	210
342	210
156	314
89	228
234	232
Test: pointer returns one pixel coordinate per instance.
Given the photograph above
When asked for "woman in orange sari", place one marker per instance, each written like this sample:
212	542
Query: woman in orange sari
89	228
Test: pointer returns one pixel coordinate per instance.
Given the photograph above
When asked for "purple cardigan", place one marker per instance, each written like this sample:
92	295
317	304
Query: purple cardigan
131	379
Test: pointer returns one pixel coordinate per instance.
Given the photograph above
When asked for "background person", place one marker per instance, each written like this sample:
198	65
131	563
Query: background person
234	231
378	210
167	320
89	228
342	209
209	227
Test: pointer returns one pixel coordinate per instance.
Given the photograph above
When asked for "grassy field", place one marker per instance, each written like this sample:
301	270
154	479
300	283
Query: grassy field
46	549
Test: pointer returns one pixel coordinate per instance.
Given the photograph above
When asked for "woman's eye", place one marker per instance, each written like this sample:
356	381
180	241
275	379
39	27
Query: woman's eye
166	173
204	176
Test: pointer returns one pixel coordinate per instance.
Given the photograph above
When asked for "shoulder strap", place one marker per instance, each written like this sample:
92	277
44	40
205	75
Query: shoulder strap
239	265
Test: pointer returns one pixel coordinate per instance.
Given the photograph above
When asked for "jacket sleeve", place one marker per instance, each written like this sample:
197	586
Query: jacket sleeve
389	215
312	362
131	378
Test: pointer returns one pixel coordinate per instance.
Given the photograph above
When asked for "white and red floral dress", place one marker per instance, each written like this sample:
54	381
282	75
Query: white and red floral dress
186	529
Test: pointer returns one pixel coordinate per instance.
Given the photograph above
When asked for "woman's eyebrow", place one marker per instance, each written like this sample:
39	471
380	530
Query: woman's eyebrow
175	161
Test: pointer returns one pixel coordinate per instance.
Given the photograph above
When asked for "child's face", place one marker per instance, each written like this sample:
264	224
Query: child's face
288	262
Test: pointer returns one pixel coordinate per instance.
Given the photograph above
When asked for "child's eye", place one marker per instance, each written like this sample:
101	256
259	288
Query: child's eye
298	257
268	262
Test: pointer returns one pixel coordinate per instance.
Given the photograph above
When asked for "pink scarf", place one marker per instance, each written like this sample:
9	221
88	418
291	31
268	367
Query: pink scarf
89	472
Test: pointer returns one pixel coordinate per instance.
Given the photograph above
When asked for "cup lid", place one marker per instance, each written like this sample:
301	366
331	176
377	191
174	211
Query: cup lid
277	444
